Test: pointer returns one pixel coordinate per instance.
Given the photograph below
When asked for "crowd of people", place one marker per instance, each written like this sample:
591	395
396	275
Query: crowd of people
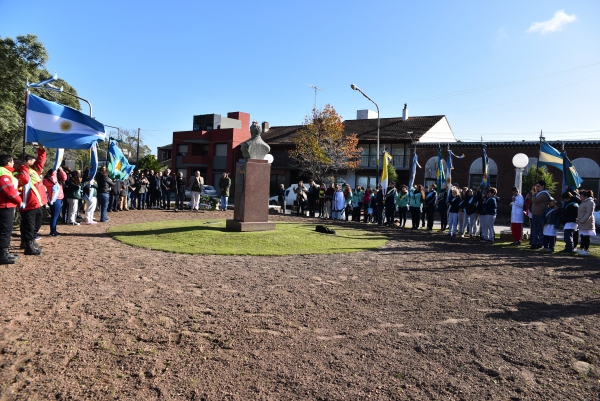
462	212
26	188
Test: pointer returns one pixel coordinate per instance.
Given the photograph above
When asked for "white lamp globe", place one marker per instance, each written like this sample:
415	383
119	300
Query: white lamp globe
269	158
520	160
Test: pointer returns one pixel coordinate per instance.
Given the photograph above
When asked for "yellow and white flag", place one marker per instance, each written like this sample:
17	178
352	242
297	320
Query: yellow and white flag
387	158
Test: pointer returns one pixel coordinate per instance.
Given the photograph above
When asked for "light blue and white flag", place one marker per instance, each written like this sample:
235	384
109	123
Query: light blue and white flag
57	126
118	165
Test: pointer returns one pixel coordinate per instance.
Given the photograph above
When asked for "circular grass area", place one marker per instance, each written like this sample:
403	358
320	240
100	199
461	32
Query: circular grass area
210	237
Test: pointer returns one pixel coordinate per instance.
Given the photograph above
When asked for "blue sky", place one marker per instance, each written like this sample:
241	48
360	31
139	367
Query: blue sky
154	65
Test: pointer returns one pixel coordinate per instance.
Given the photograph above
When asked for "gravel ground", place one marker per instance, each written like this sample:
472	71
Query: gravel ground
426	317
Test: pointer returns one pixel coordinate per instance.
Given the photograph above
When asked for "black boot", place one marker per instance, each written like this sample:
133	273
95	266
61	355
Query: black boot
31	249
6	258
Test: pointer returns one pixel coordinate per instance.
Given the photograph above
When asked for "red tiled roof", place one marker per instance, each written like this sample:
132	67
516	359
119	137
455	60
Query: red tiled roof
366	130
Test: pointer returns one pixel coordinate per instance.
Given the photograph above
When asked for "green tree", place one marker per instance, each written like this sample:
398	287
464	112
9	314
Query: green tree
530	177
149	162
23	59
322	149
392	175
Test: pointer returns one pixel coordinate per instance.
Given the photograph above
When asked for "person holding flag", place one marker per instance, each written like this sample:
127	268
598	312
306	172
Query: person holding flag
539	200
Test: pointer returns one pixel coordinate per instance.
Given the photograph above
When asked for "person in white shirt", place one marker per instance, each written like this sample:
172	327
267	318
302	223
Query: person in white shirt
517	216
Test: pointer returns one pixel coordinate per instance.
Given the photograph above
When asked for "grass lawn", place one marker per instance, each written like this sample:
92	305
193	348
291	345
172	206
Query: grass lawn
210	237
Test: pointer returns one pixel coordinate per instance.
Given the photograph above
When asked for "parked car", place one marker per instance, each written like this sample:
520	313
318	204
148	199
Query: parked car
207	190
290	196
597	219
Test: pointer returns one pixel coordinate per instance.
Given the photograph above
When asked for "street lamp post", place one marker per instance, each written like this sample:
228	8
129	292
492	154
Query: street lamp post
356	88
520	161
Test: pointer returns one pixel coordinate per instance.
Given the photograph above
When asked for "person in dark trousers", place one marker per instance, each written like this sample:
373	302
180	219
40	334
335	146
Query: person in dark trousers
281	197
104	187
179	192
430	204
10	199
166	183
313	195
390	204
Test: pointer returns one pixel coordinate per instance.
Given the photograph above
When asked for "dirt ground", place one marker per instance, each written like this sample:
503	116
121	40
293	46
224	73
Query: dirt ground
424	318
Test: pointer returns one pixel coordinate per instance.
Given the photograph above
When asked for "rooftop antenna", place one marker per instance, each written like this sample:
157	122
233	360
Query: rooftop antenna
315	87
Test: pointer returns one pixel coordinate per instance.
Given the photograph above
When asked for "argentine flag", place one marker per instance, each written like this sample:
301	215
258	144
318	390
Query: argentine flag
57	126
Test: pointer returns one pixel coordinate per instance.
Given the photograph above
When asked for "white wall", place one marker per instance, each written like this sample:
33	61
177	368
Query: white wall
439	133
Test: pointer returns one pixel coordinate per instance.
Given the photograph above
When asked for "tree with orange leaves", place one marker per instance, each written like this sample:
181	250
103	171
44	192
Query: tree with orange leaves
322	148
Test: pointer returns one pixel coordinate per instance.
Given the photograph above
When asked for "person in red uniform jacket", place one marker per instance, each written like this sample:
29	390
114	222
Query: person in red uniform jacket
35	173
33	205
9	200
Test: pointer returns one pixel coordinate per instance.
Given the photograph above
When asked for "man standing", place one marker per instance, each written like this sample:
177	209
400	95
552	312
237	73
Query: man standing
539	200
196	183
166	183
313	195
151	197
9	200
31	207
224	185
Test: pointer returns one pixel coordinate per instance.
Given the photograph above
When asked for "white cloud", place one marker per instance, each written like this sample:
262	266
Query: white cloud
553	24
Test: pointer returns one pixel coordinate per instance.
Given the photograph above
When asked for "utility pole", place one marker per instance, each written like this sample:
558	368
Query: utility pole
137	157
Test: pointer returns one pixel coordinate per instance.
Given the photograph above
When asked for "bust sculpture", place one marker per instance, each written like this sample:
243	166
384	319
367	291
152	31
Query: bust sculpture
255	147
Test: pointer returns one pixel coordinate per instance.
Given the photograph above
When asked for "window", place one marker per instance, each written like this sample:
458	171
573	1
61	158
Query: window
366	181
476	173
431	170
397	152
589	171
182	150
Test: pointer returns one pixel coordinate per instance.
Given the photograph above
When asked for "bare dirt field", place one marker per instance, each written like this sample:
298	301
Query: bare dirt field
425	317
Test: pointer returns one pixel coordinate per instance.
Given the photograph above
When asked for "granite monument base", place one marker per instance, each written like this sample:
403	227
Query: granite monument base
251	211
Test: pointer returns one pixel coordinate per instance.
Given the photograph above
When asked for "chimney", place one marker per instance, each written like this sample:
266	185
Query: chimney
265	126
405	113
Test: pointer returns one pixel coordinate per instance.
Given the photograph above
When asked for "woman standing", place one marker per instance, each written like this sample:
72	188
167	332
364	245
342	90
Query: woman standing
74	195
585	220
415	204
403	205
53	182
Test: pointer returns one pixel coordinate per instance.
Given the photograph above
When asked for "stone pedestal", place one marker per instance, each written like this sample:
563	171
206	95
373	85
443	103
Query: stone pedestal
251	211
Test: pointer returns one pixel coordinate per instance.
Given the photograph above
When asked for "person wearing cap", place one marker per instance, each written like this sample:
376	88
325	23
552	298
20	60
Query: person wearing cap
539	200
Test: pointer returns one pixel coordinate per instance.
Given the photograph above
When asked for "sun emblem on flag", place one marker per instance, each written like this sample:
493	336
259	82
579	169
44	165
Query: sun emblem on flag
65	126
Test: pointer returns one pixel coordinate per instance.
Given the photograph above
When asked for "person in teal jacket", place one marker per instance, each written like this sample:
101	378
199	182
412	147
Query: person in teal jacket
417	196
357	199
402	203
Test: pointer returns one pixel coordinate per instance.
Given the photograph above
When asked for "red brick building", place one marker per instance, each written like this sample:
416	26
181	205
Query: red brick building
467	172
211	147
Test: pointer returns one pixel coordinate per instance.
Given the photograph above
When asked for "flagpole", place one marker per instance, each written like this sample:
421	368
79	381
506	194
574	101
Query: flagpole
537	164
25	122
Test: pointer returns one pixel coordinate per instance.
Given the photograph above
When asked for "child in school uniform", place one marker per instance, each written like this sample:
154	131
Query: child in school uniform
551	214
